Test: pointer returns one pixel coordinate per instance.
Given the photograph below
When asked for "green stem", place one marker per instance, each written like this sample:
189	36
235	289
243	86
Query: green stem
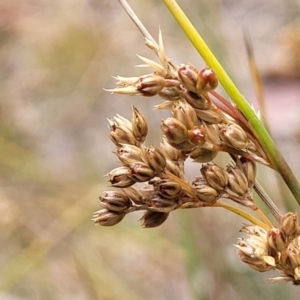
274	156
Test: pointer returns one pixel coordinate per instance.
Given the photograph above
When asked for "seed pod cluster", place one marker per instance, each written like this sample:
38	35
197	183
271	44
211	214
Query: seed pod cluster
276	248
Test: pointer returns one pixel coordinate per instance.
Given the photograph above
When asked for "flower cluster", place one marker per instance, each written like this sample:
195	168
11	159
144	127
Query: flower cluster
276	248
201	124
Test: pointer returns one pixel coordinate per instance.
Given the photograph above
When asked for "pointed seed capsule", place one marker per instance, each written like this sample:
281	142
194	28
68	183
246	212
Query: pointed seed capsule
141	172
215	176
276	239
234	136
120	177
128	154
174	130
150	85
115	201
155	159
195	100
249	169
153	219
237	181
183	112
187	75
289	224
105	217
139	125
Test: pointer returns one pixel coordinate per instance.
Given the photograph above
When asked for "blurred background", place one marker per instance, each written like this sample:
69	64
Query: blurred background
56	57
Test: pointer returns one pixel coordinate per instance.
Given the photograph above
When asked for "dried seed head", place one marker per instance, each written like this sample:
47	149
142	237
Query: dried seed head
197	136
207	80
209	116
106	217
187	74
115	201
289	224
215	176
169	93
263	264
196	101
249	169
201	155
120	177
139	125
237	181
141	172
150	85
120	132
174	130
276	239
161	204
183	112
134	194
234	136
205	192
153	219
128	154
155	159
168	189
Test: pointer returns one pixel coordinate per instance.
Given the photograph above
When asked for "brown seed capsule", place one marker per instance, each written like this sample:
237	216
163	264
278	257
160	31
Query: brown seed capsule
213	134
174	130
197	136
234	136
141	172
128	154
134	194
289	224
153	219
183	112
169	93
205	192
106	217
237	181
187	75
249	169
162	205
206	80
150	85
120	133
169	189
115	201
276	239
120	177
155	159
215	176
196	101
201	155
139	125
209	116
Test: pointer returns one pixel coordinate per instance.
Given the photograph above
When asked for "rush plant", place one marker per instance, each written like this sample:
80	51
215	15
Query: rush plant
202	123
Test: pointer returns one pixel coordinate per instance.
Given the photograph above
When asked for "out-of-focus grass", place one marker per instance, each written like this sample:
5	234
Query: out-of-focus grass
56	57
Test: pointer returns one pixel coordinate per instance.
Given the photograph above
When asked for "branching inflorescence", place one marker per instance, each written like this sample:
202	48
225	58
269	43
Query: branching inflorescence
202	124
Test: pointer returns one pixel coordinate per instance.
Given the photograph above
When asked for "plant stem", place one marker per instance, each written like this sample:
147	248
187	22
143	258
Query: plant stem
275	158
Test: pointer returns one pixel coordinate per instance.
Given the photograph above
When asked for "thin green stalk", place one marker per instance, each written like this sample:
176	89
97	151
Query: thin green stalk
274	156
